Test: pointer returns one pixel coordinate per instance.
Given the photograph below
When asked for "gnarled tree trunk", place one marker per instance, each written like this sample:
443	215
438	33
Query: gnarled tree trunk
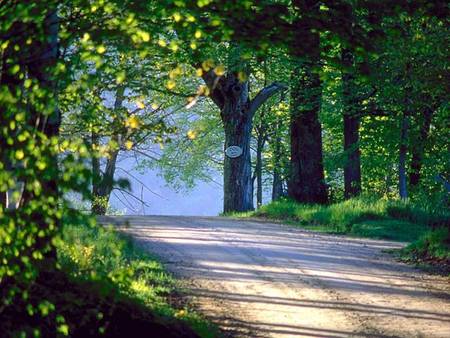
237	123
237	111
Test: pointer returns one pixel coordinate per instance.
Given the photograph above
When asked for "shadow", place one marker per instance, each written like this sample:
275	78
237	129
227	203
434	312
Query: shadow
354	307
353	275
262	329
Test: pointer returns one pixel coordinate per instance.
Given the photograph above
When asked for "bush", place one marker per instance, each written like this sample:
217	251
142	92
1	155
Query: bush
434	245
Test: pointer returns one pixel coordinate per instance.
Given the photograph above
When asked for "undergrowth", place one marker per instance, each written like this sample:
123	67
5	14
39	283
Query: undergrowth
105	286
98	253
431	249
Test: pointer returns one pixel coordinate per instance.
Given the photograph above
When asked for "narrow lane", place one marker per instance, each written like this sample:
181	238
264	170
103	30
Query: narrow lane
257	279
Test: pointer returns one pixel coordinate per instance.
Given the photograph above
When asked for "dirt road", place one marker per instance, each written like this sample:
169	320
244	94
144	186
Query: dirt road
268	280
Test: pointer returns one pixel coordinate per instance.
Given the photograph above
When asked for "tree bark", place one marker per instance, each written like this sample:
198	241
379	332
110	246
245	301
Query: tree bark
258	167
237	111
352	167
277	183
419	148
237	120
307	181
404	129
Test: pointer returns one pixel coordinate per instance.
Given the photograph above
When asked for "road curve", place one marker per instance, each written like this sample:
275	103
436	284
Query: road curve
258	279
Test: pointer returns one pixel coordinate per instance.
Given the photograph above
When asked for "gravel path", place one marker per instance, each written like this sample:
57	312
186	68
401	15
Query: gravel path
258	279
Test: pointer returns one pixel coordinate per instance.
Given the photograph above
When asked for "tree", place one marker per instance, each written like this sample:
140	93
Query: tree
230	93
307	182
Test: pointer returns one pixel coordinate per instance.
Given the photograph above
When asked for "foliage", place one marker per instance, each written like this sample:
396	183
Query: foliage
103	273
94	253
431	251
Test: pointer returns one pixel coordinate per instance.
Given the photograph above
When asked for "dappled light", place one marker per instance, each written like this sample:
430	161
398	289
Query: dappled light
288	282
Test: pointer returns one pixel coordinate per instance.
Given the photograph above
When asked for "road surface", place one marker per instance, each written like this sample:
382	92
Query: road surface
258	279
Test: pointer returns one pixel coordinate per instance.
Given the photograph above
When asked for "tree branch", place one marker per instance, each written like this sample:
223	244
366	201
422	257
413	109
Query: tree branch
211	81
264	94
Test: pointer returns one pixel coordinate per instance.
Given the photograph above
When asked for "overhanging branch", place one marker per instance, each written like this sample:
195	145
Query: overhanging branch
264	94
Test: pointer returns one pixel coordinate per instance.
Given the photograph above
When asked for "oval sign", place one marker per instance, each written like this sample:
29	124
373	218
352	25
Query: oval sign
233	151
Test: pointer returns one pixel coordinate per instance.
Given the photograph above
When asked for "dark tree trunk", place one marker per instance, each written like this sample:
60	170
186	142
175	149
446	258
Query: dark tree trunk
404	129
403	149
419	148
277	183
102	190
352	167
277	186
258	167
307	182
237	111
237	122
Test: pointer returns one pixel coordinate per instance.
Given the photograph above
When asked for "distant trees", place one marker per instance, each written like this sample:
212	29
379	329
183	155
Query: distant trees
352	43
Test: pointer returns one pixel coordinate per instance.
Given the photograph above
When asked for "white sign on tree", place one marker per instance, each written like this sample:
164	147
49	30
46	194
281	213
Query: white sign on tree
233	151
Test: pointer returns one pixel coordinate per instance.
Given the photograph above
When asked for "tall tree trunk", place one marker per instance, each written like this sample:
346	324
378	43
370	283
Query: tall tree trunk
258	167
103	183
237	110
237	121
307	181
352	167
418	149
95	163
404	129
403	148
277	182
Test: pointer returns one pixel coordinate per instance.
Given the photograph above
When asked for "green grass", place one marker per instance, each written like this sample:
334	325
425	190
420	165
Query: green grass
364	216
105	286
372	218
102	254
431	249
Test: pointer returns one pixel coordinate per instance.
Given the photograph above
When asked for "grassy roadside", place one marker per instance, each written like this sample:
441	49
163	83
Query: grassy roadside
426	228
106	287
104	254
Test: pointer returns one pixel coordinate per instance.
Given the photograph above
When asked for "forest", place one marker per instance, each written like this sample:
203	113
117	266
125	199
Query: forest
334	112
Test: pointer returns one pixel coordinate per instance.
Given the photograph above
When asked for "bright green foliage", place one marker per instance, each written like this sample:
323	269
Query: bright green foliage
106	285
101	254
55	57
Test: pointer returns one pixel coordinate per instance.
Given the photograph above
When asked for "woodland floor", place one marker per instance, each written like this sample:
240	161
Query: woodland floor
259	279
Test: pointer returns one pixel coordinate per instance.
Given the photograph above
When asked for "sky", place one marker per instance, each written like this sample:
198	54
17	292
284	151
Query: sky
206	199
